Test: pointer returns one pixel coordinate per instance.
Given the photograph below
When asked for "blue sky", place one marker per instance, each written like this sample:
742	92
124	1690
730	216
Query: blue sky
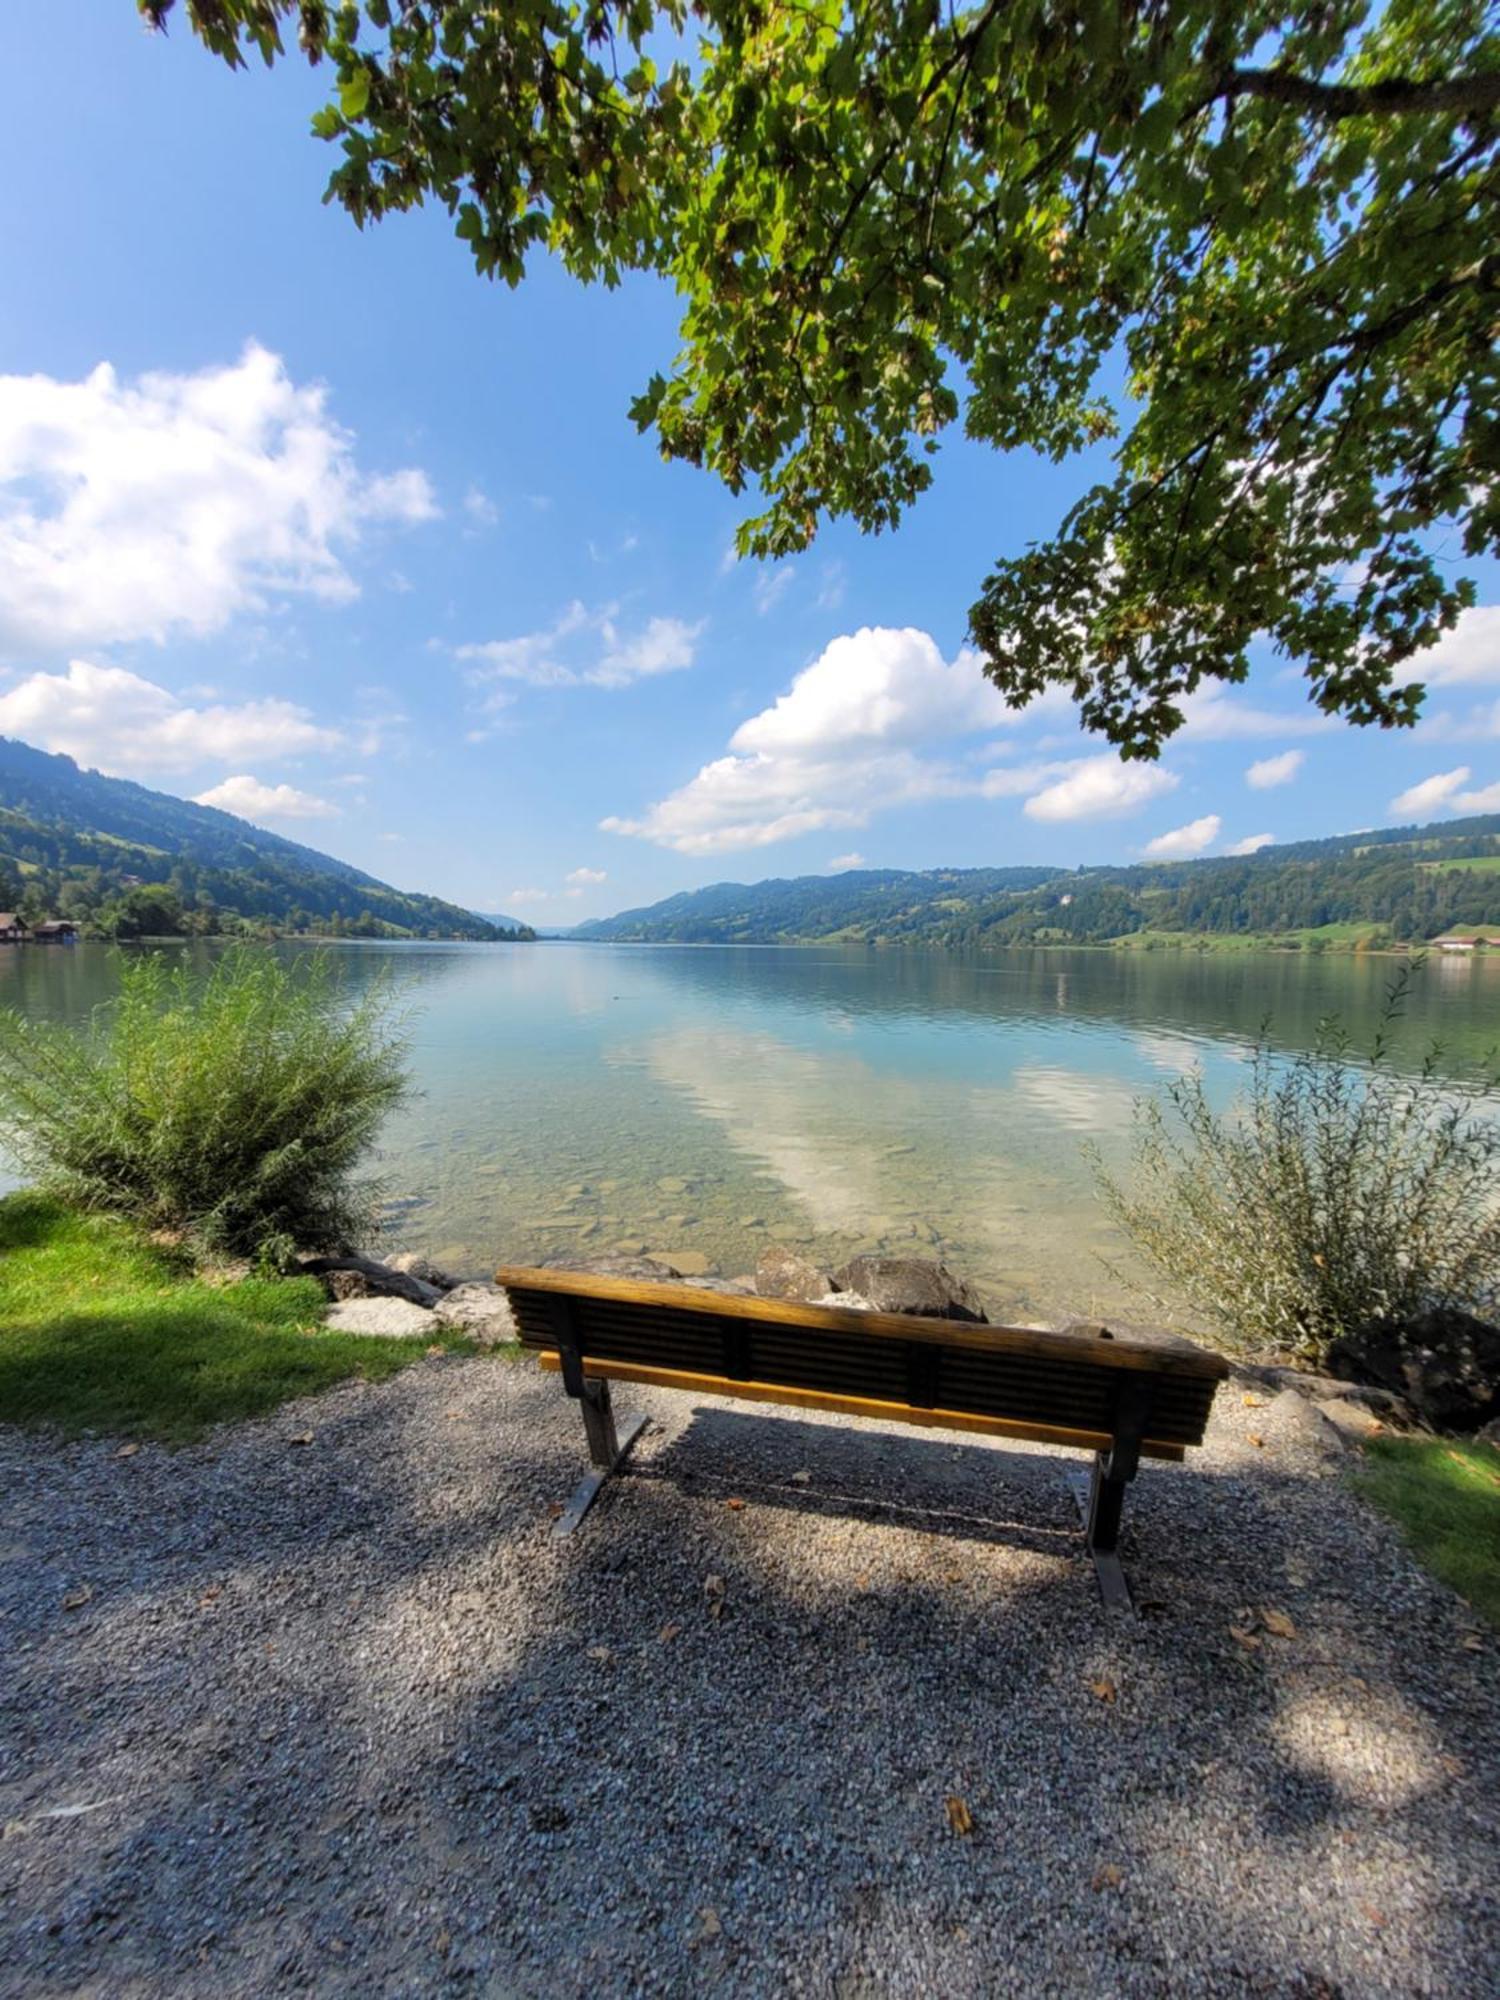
321	527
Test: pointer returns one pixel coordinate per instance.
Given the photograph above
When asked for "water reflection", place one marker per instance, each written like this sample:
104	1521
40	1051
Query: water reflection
701	1102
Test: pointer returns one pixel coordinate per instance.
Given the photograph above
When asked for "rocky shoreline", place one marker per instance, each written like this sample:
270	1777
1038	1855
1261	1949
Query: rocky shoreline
1440	1375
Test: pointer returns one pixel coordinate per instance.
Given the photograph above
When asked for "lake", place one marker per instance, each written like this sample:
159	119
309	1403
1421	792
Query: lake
701	1102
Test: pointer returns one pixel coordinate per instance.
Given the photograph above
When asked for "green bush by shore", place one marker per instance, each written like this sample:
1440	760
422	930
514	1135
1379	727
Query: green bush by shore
103	1330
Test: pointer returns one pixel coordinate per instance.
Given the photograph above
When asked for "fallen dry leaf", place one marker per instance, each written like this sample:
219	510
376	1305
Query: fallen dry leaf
432	1352
1472	1643
1103	1688
555	1510
1243	1636
127	1451
709	1925
600	1653
1277	1623
76	1599
1108	1876
1257	1440
211	1596
713	1586
959	1817
1253	1402
801	1478
861	1582
668	1633
1377	1916
301	1437
735	1506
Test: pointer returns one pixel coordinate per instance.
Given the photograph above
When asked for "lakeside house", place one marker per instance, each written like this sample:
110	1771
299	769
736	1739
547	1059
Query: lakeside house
56	930
1465	940
12	930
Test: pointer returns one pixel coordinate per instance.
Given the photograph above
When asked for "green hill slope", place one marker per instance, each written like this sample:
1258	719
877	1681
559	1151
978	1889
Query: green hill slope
1399	885
123	861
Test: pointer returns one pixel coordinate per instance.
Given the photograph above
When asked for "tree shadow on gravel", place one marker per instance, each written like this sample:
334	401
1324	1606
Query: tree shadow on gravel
414	1744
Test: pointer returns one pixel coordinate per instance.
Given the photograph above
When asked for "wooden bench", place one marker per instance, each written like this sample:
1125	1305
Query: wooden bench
1122	1399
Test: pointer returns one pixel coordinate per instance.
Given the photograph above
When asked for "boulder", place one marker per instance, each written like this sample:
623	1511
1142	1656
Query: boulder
414	1265
479	1311
615	1265
382	1319
910	1285
1444	1363
786	1274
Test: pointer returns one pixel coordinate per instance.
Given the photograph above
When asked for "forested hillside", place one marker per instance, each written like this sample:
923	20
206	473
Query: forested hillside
1399	885
122	861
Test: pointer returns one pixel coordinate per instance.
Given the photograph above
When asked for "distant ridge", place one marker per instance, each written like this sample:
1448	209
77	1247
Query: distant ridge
1395	885
124	860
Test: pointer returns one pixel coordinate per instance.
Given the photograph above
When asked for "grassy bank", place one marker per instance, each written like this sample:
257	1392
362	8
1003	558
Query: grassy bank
1445	1497
102	1330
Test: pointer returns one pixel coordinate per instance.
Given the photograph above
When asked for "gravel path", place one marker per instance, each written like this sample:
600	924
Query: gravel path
319	1704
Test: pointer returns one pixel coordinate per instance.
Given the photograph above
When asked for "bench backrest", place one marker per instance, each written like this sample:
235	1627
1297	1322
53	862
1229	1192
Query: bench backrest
1014	1381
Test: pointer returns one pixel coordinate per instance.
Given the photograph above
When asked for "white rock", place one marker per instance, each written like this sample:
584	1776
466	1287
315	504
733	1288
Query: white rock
382	1319
482	1311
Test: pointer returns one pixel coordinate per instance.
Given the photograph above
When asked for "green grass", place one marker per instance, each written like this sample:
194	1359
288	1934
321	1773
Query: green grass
1446	1499
101	1330
1471	864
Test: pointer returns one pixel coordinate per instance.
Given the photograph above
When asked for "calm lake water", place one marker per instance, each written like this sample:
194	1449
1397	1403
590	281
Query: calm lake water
701	1102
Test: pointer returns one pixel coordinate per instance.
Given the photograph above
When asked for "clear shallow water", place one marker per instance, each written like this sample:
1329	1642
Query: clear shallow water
700	1102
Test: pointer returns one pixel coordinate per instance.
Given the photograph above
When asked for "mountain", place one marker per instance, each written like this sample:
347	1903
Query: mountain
124	861
1397	885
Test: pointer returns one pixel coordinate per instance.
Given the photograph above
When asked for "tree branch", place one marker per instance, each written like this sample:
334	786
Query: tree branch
1392	96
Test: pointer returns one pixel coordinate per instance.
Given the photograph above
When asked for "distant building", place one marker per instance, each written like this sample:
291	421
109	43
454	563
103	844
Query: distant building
57	930
12	930
1465	940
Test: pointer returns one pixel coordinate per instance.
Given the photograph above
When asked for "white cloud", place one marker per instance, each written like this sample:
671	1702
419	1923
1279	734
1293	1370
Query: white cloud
116	721
135	510
1469	653
1252	843
586	877
846	740
842	862
1099	788
833	582
1267	772
480	508
1184	841
771	585
1431	793
1486	800
1216	715
529	896
584	649
251	799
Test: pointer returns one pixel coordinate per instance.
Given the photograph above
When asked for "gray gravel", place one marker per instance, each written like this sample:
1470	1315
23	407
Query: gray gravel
319	1704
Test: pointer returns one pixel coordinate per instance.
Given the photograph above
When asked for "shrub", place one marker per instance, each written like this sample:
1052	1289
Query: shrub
233	1105
1336	1194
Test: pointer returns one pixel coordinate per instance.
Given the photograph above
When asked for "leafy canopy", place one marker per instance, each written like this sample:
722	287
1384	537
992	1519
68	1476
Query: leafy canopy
1252	244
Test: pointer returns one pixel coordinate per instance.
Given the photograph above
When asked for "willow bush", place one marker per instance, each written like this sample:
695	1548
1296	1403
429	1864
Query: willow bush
234	1105
1336	1194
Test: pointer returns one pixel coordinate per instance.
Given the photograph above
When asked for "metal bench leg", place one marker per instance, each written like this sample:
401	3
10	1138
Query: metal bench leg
1101	1531
607	1446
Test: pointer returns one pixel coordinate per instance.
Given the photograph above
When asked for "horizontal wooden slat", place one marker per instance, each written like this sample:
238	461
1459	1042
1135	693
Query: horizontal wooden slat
1167	1354
857	1406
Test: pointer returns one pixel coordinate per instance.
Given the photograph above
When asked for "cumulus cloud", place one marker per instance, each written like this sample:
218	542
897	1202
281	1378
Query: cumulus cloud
840	744
251	799
1252	843
1470	653
1215	714
1184	841
1485	800
1267	772
1100	788
134	510
118	722
851	737
841	863
583	648
584	878
1431	794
